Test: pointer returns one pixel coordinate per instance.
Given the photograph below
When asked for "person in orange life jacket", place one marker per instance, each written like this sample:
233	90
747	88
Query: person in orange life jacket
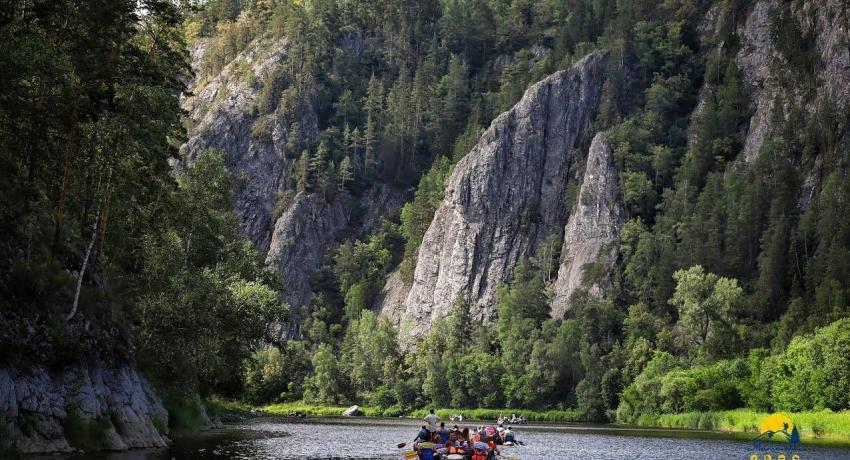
493	447
481	451
458	445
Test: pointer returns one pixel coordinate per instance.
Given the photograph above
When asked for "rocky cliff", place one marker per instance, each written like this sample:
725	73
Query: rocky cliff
592	230
99	407
508	194
222	112
294	236
772	77
504	197
301	237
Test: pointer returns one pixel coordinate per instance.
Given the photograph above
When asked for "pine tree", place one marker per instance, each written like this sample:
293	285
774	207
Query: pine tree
346	141
396	151
345	174
453	105
327	181
302	172
374	106
319	162
293	140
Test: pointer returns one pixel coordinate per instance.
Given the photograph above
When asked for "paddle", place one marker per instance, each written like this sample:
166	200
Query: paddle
401	445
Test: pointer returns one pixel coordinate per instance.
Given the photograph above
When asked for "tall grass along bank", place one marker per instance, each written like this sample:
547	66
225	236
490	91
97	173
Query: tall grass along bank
446	414
821	427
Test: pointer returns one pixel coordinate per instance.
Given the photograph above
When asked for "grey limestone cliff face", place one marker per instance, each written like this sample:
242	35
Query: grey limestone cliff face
771	79
390	301
592	230
222	114
301	238
309	229
35	406
504	197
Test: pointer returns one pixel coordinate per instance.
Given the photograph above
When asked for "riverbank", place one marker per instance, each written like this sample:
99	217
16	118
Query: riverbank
563	416
824	427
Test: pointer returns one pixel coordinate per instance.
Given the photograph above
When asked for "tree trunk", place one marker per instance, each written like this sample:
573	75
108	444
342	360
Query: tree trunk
73	311
70	153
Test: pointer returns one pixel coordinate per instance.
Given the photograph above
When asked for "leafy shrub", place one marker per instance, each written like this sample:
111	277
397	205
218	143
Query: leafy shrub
383	397
262	129
271	374
643	396
393	411
814	372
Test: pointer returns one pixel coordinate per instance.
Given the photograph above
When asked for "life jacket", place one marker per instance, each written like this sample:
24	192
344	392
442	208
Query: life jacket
480	451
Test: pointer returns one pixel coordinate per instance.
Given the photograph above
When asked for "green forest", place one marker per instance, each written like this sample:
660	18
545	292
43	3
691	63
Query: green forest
726	294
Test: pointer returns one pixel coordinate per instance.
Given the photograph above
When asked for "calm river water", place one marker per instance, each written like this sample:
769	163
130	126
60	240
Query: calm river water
326	439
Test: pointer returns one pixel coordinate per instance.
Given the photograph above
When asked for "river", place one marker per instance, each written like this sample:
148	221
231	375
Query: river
361	438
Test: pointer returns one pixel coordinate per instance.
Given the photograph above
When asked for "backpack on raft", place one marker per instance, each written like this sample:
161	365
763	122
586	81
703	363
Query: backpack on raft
426	451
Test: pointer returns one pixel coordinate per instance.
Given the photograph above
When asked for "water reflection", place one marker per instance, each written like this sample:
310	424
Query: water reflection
355	439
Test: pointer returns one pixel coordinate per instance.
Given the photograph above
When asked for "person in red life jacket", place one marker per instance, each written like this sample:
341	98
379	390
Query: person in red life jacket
482	451
493	447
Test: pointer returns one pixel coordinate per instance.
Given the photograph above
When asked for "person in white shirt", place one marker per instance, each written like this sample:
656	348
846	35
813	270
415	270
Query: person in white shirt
431	419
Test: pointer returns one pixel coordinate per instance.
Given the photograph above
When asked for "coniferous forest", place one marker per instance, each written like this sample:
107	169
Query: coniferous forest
729	286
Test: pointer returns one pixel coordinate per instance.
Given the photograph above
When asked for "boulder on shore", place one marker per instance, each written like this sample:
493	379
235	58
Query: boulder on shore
352	411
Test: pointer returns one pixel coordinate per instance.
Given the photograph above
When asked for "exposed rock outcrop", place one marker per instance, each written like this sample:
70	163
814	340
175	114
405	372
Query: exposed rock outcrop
504	197
379	202
770	77
592	229
222	115
755	59
300	240
41	411
307	231
390	301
